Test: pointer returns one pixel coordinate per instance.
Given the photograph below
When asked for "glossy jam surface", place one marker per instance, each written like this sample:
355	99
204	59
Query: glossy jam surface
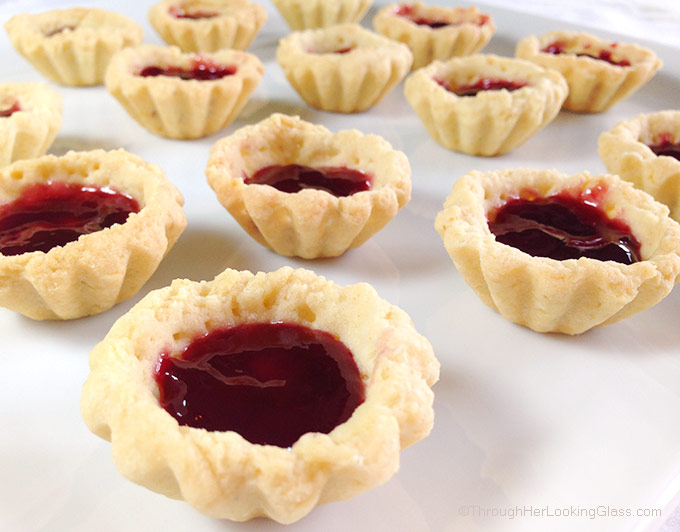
10	110
180	12
665	145
201	70
270	382
294	177
484	84
603	55
47	215
563	227
407	11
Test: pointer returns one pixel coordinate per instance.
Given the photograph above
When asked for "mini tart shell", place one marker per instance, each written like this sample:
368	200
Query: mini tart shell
547	295
594	85
625	151
235	26
492	122
310	223
464	36
29	131
309	14
72	57
222	474
349	82
100	269
176	108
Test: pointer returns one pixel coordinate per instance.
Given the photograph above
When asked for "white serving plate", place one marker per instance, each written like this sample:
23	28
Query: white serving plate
525	422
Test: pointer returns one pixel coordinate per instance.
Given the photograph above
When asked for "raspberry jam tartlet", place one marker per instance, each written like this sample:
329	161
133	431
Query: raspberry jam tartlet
30	116
183	96
260	395
208	25
82	232
72	46
599	73
645	150
309	14
303	191
435	32
560	253
344	68
484	104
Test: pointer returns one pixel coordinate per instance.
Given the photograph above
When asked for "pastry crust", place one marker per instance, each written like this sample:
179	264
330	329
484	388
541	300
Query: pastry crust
100	269
222	474
309	14
235	25
178	108
30	130
347	82
547	295
467	33
625	151
310	223
594	85
492	122
80	50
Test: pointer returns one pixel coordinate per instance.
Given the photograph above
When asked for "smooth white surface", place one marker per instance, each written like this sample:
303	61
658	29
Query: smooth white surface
523	420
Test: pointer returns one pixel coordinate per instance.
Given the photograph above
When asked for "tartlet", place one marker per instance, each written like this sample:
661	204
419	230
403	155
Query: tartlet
549	295
309	14
433	32
183	96
344	68
30	117
72	46
644	150
484	104
207	25
600	73
310	223
221	473
91	274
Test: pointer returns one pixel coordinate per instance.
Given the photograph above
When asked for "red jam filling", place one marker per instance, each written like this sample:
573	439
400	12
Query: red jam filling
484	84
180	12
564	227
603	55
666	146
270	382
338	51
295	177
48	215
9	111
406	11
201	70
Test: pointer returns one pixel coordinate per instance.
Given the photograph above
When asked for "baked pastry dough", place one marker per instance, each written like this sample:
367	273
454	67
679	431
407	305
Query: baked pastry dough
625	150
454	31
547	295
30	116
178	108
599	73
72	46
100	269
219	472
310	223
354	79
207	25
308	14
491	122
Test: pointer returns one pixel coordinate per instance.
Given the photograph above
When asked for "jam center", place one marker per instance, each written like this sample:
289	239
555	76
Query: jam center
559	47
270	382
47	215
180	12
201	70
295	177
666	146
59	30
407	11
9	111
563	227
484	84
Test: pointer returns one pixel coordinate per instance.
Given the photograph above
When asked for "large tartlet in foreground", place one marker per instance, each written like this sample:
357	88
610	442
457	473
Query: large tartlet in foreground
548	295
220	472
